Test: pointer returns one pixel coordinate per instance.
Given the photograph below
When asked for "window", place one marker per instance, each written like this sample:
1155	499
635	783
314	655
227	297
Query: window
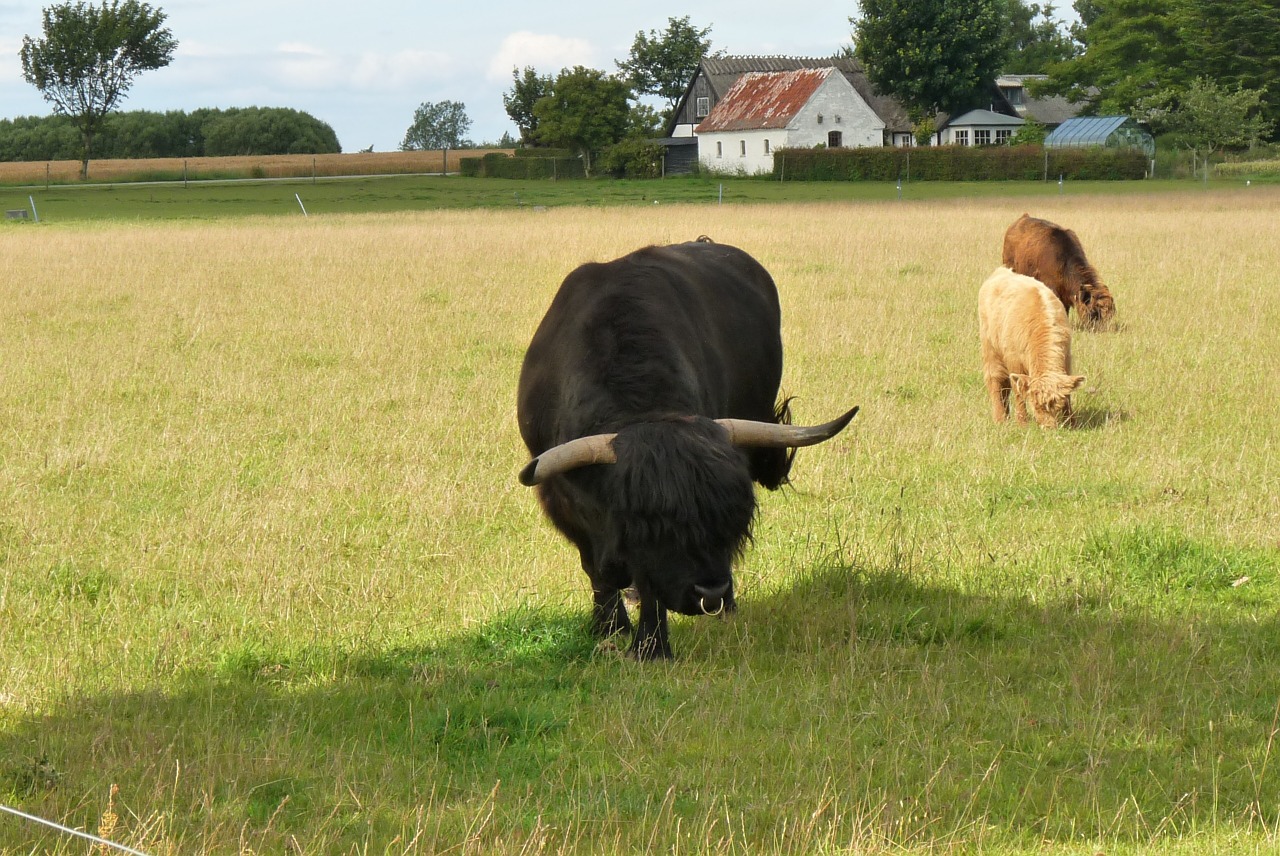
960	138
982	136
766	147
1003	136
702	106
835	140
719	150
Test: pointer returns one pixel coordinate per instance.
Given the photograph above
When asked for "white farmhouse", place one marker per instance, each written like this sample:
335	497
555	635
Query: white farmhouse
765	111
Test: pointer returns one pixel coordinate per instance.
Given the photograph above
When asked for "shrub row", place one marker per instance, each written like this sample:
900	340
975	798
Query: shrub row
500	165
958	163
173	134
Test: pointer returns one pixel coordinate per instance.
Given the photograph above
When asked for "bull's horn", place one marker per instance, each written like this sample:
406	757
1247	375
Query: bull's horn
744	432
595	449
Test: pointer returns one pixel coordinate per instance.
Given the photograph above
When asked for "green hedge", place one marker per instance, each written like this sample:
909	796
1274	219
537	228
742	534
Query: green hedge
499	165
544	153
957	163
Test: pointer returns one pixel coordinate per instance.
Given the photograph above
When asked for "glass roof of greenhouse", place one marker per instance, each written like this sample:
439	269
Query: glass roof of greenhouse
1085	131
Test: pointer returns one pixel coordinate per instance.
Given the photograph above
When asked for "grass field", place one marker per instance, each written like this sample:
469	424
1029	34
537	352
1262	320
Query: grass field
266	567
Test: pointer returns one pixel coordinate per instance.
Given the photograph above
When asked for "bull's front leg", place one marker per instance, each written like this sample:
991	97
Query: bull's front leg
650	641
610	615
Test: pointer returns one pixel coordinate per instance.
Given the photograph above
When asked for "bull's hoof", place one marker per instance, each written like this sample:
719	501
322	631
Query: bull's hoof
650	650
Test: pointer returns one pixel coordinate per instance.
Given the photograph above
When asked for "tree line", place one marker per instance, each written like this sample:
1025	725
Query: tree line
171	134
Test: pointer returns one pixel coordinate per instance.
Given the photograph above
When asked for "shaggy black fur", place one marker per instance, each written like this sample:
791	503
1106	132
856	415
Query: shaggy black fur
654	346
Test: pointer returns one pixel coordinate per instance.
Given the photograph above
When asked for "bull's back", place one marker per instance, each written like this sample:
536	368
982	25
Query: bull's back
690	328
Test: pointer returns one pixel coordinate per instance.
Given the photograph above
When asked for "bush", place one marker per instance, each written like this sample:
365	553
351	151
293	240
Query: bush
632	158
957	163
501	165
174	134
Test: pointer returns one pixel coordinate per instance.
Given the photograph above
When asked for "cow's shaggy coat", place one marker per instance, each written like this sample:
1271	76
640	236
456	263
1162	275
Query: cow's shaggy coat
640	356
1026	349
1048	252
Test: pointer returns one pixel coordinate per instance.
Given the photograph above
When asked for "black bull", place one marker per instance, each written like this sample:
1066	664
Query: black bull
647	398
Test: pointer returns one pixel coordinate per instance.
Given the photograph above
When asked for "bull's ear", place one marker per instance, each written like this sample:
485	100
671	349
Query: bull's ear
1072	383
1019	382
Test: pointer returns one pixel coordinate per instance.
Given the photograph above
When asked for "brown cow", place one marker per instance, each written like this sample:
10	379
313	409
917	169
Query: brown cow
1026	349
1053	255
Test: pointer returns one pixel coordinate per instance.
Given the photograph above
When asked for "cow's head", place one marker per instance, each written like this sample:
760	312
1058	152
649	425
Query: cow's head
1048	396
680	499
682	505
1094	306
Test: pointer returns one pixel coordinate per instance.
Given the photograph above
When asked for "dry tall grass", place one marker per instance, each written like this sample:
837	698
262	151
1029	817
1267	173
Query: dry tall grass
225	443
249	166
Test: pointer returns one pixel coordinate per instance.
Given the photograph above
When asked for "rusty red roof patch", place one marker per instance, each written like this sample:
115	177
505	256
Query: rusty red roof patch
764	100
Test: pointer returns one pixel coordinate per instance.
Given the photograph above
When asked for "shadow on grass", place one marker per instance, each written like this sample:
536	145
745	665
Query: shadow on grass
864	703
1089	418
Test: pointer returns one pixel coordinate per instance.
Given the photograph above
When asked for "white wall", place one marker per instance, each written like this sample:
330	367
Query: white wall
729	156
842	109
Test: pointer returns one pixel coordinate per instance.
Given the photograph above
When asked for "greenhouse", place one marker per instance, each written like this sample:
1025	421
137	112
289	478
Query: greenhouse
1109	131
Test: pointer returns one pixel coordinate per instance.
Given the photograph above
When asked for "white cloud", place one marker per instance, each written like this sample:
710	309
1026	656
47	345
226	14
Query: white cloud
306	67
548	54
399	70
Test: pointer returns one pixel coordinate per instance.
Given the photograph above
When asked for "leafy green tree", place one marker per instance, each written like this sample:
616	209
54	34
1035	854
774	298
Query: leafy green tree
931	55
89	56
1030	133
266	131
1131	49
1207	117
587	110
1035	38
528	88
662	64
1236	43
437	125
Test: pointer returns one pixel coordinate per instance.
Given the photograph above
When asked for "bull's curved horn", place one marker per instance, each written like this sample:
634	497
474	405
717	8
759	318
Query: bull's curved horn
593	449
744	432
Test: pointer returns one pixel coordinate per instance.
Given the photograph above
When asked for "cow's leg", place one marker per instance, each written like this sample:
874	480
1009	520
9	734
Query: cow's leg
998	391
1021	392
610	614
650	641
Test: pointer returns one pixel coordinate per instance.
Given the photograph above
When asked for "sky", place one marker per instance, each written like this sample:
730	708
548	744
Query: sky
364	67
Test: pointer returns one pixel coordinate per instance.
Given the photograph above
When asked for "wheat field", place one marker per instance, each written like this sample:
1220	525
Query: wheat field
268	573
241	166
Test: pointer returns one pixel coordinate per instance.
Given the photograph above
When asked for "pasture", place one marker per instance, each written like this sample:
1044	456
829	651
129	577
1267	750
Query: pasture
268	582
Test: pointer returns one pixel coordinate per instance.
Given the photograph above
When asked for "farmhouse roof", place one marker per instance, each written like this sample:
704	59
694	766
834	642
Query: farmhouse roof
764	100
1049	110
721	73
985	117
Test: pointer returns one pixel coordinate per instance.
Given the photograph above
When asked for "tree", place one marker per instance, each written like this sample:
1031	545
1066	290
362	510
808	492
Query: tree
440	125
1208	117
662	64
1132	49
1035	39
586	111
89	56
529	86
931	56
